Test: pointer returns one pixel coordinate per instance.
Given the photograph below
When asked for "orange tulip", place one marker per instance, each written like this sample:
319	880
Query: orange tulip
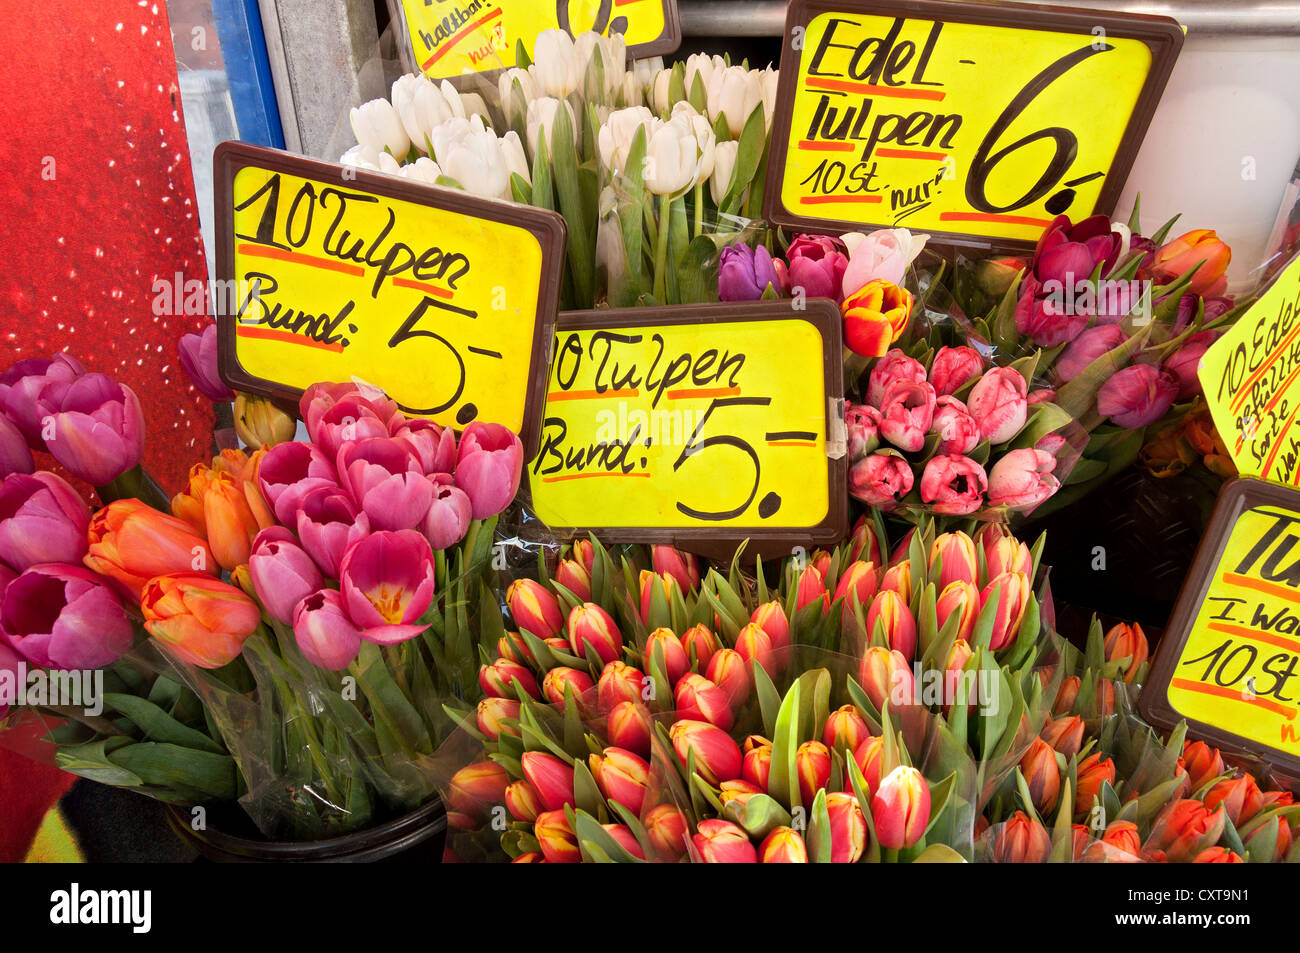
203	620
1200	246
1202	763
875	316
1123	835
1186	828
1241	798
132	543
1022	841
1093	770
1042	774
1126	641
1065	734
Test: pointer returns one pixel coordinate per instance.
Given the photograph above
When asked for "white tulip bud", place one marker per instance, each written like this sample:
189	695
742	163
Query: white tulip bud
724	167
377	124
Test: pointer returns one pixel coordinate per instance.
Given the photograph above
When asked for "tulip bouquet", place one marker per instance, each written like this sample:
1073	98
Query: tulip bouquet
653	169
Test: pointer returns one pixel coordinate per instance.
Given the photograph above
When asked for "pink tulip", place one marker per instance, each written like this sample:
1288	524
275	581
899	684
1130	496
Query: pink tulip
817	265
953	367
64	617
489	462
1086	348
289	472
880	480
684	567
811	589
957	429
618	682
325	634
697	698
590	625
1186	361
676	662
771	618
906	412
717	756
880	255
1137	395
15	455
1022	479
953	485
862	423
22	384
387	582
433	446
901	808
42	520
198	353
722	842
9	666
998	404
348	418
448	518
857	582
894	366
505	678
535	608
622	777
282	573
98	428
550	777
384	480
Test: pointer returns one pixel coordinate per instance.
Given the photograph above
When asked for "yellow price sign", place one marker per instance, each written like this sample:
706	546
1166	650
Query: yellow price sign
1251	380
451	37
695	423
1229	661
961	120
326	273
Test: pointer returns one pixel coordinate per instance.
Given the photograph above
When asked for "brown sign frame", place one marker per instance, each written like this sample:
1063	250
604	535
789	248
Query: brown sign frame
1162	35
547	227
667	42
1236	497
716	541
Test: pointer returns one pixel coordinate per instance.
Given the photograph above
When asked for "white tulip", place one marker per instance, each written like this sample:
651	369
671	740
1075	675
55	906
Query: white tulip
724	167
645	70
472	156
557	68
541	116
615	137
767	81
447	136
506	90
377	124
659	88
421	107
672	158
423	170
631	90
705	66
707	143
734	92
513	151
361	157
388	165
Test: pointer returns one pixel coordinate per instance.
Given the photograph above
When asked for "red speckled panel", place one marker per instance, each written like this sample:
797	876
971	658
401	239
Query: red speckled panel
98	201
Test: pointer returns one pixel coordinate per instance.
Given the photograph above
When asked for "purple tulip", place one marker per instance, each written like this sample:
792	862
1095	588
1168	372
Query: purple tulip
329	524
744	273
448	518
64	617
1186	361
325	634
384	479
433	446
98	428
489	462
387	583
290	471
21	386
1137	395
282	572
817	264
1086	348
199	359
15	455
42	520
1214	307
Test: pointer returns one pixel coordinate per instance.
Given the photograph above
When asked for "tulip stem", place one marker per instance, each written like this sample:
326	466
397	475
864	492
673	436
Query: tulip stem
699	209
661	251
96	724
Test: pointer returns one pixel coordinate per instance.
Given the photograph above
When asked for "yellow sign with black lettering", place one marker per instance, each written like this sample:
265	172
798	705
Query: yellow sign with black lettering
1230	659
958	119
472	36
1251	379
442	300
693	422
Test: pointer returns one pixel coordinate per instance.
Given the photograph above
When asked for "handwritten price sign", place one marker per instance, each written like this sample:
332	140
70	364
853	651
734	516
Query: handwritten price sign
1251	379
961	120
694	423
451	37
1228	661
443	300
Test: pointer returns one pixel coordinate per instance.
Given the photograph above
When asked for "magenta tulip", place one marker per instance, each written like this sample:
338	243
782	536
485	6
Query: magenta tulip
906	412
385	481
289	472
958	431
1186	361
98	428
1022	479
198	354
998	404
282	573
953	485
433	446
15	455
894	366
817	265
387	582
448	518
489	462
334	418
329	525
22	384
64	617
1086	348
1043	314
953	367
9	666
42	520
326	635
1138	395
880	480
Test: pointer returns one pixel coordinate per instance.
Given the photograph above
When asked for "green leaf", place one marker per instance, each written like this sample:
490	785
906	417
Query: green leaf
157	725
783	780
818	836
753	141
939	854
171	766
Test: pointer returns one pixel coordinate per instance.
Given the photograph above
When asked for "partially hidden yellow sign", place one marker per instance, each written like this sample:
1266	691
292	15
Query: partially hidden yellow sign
1238	669
693	422
444	301
451	37
1251	379
984	123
